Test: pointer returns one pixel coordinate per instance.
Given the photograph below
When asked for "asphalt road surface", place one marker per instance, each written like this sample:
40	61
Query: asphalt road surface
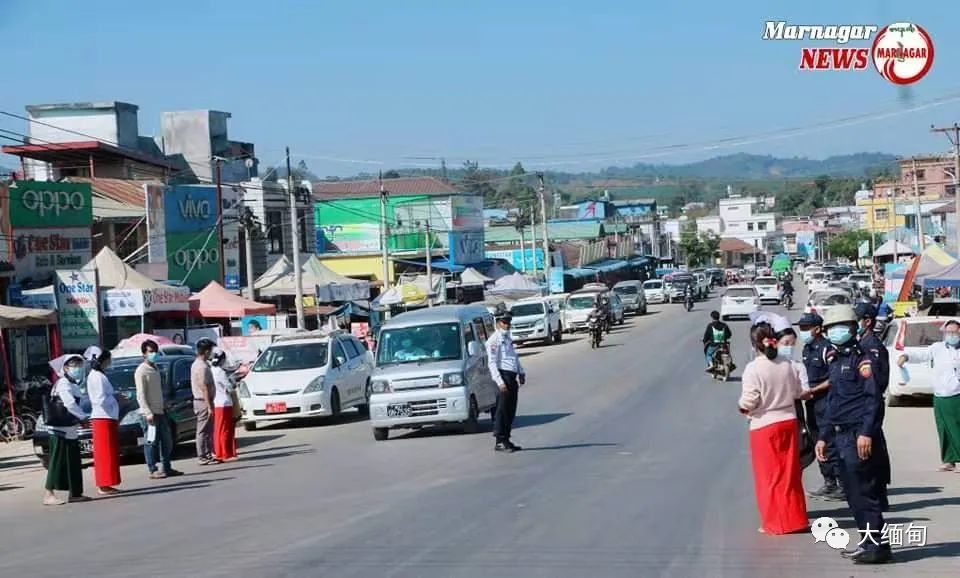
635	464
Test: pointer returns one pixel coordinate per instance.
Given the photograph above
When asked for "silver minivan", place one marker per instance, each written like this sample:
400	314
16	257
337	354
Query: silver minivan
431	369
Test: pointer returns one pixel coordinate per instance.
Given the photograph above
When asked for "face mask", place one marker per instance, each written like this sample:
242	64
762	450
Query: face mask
952	339
839	334
153	356
75	373
785	351
861	329
805	336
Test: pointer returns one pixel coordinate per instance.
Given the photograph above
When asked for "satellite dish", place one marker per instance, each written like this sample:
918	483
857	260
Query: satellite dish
248	163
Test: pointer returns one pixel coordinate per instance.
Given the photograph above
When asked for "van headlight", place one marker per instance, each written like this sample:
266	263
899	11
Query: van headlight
452	380
243	391
380	386
540	324
315	385
132	417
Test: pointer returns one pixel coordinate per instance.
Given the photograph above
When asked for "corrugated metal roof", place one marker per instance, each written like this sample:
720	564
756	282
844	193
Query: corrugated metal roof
123	191
556	232
736	246
371	188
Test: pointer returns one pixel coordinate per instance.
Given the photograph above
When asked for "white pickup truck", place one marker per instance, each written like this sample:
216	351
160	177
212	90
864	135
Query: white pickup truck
535	319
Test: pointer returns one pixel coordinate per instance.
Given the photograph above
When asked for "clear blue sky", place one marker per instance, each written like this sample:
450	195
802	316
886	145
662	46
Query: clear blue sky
558	85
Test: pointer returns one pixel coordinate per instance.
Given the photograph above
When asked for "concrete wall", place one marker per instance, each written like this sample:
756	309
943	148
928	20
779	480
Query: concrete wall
187	133
99	124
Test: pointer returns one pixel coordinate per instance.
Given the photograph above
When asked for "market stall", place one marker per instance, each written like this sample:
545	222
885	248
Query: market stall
214	301
316	279
15	322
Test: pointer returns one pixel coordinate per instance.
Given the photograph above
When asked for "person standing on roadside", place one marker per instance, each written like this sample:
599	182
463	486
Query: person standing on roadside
104	413
153	418
224	429
64	471
508	374
872	345
204	391
945	356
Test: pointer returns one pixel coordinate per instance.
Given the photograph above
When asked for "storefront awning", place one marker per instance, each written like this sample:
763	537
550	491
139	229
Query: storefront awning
608	266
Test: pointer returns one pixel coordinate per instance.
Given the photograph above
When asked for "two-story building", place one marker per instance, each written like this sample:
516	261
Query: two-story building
744	218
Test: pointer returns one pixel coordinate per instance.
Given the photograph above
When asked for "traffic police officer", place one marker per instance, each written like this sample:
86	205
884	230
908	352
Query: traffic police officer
508	374
817	353
871	344
852	424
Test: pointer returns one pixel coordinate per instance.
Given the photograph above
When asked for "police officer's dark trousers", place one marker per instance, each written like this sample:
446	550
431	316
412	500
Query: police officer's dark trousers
816	415
506	406
861	480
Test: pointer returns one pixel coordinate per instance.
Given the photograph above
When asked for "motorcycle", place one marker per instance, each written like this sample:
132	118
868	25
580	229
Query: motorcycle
595	326
721	362
787	300
688	302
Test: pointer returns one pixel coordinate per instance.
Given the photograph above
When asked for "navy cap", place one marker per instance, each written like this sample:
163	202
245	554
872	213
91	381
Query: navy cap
810	320
505	317
865	311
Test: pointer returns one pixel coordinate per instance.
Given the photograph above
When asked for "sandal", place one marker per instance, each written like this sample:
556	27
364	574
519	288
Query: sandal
946	468
53	502
108	491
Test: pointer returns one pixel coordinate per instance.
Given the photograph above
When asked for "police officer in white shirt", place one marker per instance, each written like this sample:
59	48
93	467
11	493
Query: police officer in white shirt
509	375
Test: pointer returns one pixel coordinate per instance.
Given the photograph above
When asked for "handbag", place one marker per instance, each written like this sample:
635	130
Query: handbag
55	413
806	445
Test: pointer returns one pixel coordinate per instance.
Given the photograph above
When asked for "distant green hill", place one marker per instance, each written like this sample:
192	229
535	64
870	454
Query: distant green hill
743	166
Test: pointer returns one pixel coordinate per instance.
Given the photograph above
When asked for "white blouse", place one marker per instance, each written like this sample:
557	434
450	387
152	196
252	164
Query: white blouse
71	396
223	386
103	400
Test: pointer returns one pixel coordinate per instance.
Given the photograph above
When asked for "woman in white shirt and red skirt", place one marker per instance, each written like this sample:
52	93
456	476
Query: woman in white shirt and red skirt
224	428
104	413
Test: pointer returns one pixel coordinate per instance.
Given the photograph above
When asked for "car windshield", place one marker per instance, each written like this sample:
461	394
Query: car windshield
831	299
653	285
585	302
121	376
740	293
292	357
859	277
626	289
522	309
922	334
421	343
765	281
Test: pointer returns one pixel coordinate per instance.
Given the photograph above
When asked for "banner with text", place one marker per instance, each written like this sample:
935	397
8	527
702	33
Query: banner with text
77	309
46	204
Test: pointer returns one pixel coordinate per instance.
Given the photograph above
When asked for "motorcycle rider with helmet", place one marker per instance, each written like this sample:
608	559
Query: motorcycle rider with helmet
786	289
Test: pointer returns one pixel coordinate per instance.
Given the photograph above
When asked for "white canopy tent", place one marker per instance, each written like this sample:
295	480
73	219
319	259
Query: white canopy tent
891	248
318	279
471	276
280	267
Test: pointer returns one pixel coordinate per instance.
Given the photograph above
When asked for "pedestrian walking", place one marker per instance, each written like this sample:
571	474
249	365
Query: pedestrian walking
852	423
64	470
770	390
224	427
104	413
158	436
508	374
204	390
817	354
945	356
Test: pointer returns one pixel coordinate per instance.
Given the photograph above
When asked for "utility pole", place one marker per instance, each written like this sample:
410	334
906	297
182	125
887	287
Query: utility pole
953	134
384	235
533	237
546	236
248	227
295	233
523	247
916	206
429	267
217	162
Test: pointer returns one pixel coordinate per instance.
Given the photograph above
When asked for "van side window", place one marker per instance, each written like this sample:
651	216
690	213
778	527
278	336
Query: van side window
488	325
352	350
480	329
468	335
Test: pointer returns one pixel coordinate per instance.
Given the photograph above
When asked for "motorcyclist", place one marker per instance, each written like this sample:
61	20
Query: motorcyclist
716	334
786	289
605	312
688	293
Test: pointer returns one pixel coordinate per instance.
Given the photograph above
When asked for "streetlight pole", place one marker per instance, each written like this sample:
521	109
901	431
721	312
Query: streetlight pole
295	233
429	267
546	237
384	236
916	206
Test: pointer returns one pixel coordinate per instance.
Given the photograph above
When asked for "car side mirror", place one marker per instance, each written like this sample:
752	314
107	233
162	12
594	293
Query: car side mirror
339	360
473	349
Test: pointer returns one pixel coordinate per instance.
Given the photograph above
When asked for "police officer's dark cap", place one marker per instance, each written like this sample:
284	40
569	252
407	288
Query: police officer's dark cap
810	320
865	311
504	318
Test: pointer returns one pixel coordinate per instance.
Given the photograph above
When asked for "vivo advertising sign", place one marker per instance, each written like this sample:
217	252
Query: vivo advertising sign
190	209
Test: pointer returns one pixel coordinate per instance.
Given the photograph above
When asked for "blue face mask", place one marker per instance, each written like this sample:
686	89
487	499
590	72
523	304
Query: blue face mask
153	356
785	351
839	334
952	340
75	373
805	336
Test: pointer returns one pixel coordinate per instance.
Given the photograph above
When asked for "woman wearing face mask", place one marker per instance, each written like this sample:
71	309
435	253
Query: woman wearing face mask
104	413
946	390
224	429
770	390
64	471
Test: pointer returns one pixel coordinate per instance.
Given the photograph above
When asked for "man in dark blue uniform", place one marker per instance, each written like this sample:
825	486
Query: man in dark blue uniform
871	344
817	353
852	424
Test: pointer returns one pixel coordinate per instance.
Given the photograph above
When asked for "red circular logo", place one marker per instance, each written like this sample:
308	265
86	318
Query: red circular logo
903	52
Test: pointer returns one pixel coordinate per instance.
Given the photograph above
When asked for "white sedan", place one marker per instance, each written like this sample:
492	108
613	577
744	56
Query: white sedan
822	301
768	288
739	301
910	332
653	291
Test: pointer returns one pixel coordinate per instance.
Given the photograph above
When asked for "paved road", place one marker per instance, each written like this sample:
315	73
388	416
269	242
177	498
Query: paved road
636	464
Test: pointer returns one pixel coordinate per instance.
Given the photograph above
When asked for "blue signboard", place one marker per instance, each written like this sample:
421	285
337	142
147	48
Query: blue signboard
532	259
466	247
190	209
231	281
592	210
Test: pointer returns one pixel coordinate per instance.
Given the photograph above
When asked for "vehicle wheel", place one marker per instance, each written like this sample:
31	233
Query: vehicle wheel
725	373
334	403
472	425
895	401
249	426
559	334
381	433
550	339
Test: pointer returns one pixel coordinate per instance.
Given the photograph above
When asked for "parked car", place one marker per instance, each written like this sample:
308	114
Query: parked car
809	272
702	285
633	297
535	319
309	375
451	385
912	332
653	291
739	301
818	282
821	302
617	310
863	281
577	309
175	379
768	288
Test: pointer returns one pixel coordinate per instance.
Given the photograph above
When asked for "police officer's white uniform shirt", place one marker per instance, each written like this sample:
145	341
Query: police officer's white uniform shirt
501	354
946	366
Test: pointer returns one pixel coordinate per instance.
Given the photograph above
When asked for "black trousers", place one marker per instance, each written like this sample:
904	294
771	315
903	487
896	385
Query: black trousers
863	486
506	407
816	414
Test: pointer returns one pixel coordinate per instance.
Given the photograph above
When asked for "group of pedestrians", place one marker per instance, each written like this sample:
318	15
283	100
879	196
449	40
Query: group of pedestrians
83	392
842	379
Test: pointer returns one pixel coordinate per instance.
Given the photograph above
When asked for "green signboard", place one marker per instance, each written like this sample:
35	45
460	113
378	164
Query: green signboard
35	204
193	259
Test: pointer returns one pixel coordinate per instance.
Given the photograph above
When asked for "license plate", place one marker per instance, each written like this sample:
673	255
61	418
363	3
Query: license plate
86	446
279	407
398	410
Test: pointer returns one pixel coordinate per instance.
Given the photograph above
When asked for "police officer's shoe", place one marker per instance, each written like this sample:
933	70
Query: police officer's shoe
878	556
513	447
837	495
823	491
502	447
853	554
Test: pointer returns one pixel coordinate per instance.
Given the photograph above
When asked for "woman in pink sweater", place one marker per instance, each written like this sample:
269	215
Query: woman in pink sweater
770	388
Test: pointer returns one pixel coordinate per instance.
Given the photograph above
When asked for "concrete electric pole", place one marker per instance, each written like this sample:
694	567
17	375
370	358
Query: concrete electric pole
546	236
953	133
292	190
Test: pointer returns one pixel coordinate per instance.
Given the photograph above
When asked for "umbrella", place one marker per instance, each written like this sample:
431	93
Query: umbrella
134	341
